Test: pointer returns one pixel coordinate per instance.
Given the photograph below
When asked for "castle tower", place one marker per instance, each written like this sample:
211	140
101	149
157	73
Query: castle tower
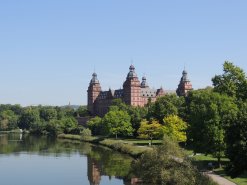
144	83
93	92
132	89
184	85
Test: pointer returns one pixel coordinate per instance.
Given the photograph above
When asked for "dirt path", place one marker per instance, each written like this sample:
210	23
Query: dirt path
220	180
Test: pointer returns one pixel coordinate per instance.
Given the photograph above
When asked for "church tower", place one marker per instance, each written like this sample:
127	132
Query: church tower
184	85
93	92
132	89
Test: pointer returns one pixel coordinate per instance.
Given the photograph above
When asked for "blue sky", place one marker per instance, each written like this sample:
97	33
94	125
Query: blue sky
49	48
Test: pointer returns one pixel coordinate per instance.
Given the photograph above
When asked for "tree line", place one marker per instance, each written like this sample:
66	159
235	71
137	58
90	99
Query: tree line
46	120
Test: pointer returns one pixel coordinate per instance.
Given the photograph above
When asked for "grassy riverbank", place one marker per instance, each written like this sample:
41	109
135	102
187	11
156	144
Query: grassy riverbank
133	148
124	146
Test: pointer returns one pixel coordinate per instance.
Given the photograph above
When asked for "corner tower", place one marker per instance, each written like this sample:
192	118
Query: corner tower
184	85
93	92
132	89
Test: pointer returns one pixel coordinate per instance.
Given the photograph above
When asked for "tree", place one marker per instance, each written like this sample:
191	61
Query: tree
82	111
150	130
68	124
95	125
165	106
236	141
48	113
175	128
8	120
29	117
232	82
117	122
167	164
119	105
137	114
209	113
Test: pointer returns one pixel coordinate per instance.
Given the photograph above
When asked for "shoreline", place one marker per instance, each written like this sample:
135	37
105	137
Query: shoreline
118	145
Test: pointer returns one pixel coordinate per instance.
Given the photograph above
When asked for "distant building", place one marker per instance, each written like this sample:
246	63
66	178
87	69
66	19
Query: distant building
134	93
184	85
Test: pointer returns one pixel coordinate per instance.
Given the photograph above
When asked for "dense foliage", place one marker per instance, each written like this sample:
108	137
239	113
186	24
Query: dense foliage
168	164
39	119
233	82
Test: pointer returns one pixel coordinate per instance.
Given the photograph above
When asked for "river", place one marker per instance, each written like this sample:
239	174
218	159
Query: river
29	160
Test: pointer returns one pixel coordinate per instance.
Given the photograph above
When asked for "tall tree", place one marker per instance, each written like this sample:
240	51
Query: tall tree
163	107
232	82
175	128
150	130
95	125
236	141
209	113
117	122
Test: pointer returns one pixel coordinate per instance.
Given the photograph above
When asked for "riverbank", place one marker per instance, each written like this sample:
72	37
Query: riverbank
17	131
118	145
131	147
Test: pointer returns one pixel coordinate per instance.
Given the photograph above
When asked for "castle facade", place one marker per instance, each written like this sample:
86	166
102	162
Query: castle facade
134	92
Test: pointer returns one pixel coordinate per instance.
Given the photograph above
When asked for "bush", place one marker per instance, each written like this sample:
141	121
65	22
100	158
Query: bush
86	133
167	164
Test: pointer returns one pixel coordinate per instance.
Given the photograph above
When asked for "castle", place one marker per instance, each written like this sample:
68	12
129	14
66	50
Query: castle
134	92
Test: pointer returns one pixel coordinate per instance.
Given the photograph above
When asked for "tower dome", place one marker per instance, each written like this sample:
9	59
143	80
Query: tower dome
185	76
144	83
94	79
132	73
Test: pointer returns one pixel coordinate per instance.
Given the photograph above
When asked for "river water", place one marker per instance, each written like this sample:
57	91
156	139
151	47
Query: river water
28	160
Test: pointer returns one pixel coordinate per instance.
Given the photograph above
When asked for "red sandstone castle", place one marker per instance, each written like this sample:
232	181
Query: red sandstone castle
134	92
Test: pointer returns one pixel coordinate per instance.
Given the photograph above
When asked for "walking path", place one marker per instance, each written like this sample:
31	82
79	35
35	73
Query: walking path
218	179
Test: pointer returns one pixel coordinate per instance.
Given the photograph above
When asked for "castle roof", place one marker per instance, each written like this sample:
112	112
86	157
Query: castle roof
144	83
94	79
132	73
111	93
147	92
185	76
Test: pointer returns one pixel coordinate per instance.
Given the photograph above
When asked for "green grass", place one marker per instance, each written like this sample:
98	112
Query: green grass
241	180
201	161
125	146
142	141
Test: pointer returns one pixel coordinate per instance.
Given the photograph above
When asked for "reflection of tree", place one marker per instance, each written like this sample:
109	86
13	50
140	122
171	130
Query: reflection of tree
112	163
10	143
101	161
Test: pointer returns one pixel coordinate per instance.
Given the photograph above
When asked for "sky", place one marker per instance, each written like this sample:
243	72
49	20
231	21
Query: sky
50	48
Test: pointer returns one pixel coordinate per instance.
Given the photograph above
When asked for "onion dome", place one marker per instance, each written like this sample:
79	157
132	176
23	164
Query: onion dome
94	79
185	76
144	82
132	73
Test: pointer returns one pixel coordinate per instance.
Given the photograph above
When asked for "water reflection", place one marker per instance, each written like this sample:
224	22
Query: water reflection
104	166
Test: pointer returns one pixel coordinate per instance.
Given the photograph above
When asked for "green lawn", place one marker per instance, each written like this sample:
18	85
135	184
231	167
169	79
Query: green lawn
142	141
201	161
